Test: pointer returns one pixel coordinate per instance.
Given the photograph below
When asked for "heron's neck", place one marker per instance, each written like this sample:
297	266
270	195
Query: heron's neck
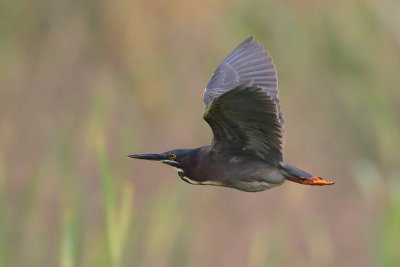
200	165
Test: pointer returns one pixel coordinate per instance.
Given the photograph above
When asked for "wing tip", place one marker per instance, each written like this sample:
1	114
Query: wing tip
249	39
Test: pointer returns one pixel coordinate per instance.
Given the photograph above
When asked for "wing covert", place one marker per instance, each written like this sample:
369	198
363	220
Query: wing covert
245	120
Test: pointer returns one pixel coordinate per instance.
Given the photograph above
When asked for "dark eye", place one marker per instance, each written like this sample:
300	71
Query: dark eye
172	156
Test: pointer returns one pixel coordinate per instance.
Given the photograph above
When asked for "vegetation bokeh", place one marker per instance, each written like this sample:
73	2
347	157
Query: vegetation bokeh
85	83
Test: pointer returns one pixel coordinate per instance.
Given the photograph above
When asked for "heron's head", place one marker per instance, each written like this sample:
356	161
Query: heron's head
178	158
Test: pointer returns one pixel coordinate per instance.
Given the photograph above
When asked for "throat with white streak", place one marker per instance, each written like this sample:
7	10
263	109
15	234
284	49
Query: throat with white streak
190	181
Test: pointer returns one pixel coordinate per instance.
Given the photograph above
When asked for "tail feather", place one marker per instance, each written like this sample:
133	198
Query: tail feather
297	175
288	170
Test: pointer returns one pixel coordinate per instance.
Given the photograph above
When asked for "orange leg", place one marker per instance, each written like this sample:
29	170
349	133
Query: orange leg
309	181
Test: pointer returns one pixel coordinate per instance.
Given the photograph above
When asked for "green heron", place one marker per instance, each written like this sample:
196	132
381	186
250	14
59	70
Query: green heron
243	111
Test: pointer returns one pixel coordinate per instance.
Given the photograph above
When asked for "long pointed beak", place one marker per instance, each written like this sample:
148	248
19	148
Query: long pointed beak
156	157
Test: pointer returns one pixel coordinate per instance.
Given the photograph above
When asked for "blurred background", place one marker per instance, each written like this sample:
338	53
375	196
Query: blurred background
85	83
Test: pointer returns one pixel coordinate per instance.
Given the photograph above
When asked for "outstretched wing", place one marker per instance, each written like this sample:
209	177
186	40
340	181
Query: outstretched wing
245	120
247	62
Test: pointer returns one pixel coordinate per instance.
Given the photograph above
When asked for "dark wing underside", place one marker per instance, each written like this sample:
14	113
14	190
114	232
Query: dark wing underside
247	62
245	120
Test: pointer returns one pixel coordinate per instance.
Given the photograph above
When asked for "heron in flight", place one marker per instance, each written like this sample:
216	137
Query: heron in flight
243	111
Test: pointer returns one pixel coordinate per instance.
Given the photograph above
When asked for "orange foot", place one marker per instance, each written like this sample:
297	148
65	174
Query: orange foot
309	181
